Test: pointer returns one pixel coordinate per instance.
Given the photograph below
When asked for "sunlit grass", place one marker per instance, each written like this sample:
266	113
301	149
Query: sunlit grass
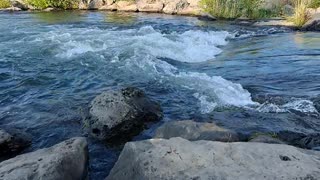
301	15
231	9
4	4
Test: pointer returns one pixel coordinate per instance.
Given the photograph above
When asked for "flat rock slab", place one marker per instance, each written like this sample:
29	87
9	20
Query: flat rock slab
180	159
67	161
193	131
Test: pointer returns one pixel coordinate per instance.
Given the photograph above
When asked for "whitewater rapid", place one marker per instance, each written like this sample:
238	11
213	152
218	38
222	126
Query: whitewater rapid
143	52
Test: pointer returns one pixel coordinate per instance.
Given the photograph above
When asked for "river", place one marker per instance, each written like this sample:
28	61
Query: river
240	77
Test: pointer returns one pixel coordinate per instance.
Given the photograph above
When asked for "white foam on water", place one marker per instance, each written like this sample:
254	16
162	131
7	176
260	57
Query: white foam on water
139	50
190	46
300	105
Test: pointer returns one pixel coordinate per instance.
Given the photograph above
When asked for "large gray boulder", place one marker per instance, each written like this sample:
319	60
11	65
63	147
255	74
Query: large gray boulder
121	114
313	24
196	131
12	141
67	161
180	159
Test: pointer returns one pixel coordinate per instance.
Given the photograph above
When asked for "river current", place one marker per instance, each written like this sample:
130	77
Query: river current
240	77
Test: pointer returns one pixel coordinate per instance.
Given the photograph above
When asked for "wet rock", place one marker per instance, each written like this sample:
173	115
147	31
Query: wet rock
150	5
181	159
12	141
307	141
67	160
121	114
266	139
313	24
126	6
196	131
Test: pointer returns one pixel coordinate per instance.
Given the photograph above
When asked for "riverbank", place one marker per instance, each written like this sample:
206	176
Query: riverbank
182	7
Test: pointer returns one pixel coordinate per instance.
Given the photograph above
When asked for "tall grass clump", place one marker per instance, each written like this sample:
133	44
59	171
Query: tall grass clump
301	14
231	9
4	4
60	4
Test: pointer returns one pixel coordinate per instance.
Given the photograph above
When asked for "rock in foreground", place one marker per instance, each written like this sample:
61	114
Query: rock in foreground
13	141
67	161
196	131
181	159
121	114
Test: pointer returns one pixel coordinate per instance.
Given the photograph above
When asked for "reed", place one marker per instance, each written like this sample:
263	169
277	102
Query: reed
301	15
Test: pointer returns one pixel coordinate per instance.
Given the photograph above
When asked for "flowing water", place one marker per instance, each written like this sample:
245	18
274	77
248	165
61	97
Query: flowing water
240	77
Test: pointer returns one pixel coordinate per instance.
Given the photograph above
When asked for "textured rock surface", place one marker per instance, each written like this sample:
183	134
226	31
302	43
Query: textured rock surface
121	114
67	161
196	131
13	141
181	159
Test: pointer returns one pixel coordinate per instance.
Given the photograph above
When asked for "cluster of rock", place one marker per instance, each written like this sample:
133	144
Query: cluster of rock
178	150
193	150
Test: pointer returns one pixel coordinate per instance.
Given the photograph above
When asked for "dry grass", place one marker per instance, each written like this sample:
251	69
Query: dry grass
4	4
301	15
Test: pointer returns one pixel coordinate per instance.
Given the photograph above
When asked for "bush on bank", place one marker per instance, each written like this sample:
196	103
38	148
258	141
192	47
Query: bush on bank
61	4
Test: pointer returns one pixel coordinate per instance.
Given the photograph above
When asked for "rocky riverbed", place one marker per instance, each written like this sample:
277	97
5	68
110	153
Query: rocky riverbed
179	149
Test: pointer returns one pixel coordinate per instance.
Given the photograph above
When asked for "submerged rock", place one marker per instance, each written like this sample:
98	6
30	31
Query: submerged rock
121	114
178	158
313	24
12	141
196	131
67	161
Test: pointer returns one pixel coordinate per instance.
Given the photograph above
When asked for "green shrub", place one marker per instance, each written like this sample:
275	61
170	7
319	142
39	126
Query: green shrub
231	9
63	4
4	4
60	4
39	4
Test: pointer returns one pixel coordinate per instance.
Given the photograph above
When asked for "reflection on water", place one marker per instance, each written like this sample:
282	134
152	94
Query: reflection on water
59	16
120	18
